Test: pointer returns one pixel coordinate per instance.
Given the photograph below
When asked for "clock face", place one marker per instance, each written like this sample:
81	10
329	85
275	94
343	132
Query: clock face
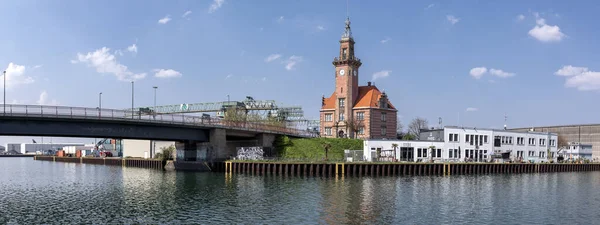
355	73
342	72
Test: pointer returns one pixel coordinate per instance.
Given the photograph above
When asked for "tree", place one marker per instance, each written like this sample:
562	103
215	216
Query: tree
408	137
326	146
399	126
394	146
354	126
166	153
416	125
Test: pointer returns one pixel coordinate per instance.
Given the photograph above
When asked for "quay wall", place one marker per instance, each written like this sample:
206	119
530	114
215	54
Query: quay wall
399	169
126	162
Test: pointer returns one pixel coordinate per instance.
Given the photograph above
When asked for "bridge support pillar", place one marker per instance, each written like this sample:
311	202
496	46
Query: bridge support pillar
266	142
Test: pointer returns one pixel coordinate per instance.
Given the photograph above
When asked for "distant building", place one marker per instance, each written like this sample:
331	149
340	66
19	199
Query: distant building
144	148
588	134
355	111
459	144
32	148
577	151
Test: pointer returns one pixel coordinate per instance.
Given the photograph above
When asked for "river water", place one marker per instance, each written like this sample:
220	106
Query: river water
33	192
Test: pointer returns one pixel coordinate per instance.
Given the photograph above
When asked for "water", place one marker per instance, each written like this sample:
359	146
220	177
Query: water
33	192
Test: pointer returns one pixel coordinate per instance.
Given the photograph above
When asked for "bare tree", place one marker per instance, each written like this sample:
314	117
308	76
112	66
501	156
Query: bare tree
416	125
562	143
354	125
399	126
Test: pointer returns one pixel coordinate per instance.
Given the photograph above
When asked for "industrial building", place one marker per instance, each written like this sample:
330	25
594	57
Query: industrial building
144	148
461	144
588	134
33	148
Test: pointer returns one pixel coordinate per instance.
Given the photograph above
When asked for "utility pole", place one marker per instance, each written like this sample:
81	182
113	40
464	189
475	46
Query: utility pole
132	109
100	104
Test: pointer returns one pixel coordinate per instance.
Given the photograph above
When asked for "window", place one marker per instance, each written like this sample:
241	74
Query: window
450	153
383	119
453	137
341	116
425	152
456	137
531	141
383	130
344	53
466	138
342	102
360	116
480	139
328	117
361	130
485	139
542	142
439	153
328	131
419	153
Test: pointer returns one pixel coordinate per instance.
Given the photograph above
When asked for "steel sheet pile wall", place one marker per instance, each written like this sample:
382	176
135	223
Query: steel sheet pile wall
399	169
140	163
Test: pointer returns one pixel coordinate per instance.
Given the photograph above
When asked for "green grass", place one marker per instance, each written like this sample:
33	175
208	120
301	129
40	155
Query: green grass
313	148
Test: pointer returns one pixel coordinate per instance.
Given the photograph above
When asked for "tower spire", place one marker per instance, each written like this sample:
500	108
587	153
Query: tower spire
347	32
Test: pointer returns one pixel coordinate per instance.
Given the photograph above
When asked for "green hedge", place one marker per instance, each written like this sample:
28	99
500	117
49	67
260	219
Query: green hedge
313	148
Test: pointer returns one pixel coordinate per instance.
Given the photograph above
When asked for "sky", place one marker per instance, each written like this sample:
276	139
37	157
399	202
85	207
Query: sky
468	62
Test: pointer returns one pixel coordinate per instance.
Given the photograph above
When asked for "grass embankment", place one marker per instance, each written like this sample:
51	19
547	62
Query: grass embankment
313	149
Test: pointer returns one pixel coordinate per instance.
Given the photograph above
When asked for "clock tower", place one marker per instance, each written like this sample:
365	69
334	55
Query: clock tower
346	82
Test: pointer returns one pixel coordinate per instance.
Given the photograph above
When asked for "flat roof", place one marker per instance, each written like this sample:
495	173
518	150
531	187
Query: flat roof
498	130
556	126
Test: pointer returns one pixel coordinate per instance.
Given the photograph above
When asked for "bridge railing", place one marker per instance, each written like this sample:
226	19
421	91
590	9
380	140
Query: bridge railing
45	111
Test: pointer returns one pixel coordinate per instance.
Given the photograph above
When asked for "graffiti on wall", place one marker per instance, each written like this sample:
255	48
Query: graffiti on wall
250	153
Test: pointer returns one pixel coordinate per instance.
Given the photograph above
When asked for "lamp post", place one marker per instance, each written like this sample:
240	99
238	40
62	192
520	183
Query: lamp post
4	95
154	109
132	109
100	104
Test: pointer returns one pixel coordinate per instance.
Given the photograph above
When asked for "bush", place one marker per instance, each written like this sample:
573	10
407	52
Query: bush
314	148
167	153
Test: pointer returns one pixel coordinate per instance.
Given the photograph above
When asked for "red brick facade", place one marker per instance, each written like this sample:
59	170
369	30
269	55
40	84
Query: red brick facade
355	111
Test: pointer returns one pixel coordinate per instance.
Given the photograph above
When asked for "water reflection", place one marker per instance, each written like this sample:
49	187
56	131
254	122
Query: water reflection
48	192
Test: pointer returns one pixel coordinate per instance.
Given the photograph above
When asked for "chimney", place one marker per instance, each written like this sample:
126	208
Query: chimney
323	100
369	83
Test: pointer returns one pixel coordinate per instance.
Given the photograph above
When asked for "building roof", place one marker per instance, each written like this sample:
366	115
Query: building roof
368	96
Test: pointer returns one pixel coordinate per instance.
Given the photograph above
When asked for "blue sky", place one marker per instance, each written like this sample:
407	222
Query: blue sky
536	61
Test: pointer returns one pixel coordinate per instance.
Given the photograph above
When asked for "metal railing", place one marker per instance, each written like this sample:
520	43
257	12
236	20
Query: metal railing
67	112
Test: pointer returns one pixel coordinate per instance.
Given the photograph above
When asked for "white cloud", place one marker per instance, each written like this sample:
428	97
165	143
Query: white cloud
280	19
544	32
118	52
37	67
477	72
386	40
452	19
187	13
381	74
168	73
228	76
571	71
264	79
430	6
500	73
215	5
320	27
164	20
471	109
132	48
520	17
104	62
15	76
292	62
272	57
580	77
43	100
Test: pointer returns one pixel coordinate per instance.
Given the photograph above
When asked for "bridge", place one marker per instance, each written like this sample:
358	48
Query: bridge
198	137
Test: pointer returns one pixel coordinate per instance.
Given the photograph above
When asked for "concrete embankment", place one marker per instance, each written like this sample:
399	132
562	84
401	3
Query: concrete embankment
400	169
16	156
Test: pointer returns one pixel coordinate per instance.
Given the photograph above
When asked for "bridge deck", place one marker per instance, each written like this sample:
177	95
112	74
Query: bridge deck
95	114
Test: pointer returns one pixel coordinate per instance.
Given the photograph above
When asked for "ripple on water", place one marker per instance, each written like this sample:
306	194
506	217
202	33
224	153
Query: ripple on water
34	192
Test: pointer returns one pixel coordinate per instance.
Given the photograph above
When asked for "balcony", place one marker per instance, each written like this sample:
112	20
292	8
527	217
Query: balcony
353	60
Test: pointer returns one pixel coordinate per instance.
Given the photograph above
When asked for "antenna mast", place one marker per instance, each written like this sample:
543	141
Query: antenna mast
505	117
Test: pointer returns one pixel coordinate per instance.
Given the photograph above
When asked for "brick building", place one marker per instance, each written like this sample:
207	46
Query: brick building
355	111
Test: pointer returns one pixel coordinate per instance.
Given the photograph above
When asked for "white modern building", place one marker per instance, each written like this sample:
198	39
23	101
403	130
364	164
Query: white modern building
144	148
460	144
577	151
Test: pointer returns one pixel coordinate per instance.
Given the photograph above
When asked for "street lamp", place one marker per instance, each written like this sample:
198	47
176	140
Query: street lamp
132	109
100	104
154	109
4	95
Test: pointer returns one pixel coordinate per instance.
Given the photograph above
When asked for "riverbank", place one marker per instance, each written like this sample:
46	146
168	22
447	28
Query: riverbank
398	169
